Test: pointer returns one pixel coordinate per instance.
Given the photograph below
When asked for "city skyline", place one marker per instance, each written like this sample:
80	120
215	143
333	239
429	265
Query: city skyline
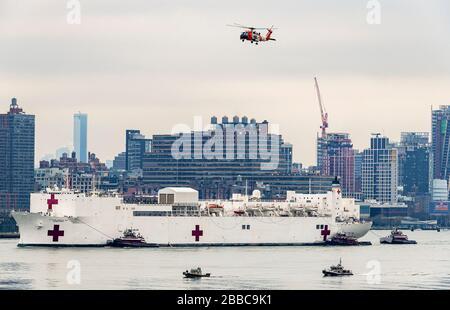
160	69
68	145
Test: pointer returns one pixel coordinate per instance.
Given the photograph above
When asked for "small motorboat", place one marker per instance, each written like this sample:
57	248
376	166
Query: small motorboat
131	239
337	271
342	239
195	273
397	237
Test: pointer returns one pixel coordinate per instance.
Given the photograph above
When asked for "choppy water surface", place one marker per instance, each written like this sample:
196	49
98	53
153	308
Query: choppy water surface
425	265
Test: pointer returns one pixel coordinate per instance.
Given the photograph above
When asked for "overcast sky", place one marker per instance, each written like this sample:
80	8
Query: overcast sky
150	65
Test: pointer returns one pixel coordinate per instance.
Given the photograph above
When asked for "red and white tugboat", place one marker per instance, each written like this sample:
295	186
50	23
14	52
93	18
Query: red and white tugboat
397	237
342	239
131	240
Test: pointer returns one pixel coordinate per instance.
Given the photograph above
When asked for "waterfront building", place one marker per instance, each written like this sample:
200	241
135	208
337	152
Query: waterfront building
78	176
136	145
440	142
119	162
17	137
221	176
414	157
46	177
80	137
386	214
439	190
380	171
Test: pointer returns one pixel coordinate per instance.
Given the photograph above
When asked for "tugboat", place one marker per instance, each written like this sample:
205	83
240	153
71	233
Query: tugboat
342	239
195	273
131	240
337	271
397	237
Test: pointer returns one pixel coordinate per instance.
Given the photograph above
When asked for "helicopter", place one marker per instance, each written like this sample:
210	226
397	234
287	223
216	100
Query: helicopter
254	37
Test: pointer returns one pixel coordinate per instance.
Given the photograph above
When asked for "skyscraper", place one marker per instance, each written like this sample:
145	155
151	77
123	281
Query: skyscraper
16	159
380	171
414	163
358	174
136	145
336	157
440	142
80	137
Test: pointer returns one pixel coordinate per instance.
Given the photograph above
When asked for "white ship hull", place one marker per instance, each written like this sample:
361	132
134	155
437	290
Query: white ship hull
72	219
40	230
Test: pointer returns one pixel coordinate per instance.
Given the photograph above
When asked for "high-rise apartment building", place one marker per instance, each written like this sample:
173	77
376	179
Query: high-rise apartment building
16	158
136	145
440	142
336	157
380	171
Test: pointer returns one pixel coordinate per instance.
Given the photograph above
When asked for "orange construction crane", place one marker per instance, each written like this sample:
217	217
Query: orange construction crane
323	113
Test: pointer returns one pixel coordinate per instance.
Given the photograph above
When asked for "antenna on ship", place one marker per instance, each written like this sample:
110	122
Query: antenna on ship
67	179
246	186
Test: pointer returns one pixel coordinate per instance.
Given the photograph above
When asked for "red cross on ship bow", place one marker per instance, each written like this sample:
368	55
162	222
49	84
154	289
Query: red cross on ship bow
55	233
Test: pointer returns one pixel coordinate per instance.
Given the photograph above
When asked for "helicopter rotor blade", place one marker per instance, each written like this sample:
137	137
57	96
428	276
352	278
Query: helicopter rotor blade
245	27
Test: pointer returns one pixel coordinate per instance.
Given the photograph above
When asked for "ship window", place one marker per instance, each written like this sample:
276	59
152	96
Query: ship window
317	226
243	226
248	226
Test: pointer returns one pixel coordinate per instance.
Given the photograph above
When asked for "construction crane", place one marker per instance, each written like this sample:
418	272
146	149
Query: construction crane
323	113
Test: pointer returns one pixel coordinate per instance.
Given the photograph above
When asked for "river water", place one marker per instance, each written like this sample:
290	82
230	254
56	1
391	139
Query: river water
422	266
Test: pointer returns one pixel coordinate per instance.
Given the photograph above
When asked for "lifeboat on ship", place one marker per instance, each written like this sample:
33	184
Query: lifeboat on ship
215	206
215	209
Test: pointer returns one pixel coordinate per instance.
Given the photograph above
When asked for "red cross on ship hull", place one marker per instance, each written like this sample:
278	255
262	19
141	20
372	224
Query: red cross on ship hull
197	233
55	233
325	232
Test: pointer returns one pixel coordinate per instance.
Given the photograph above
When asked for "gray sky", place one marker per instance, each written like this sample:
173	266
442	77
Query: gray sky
151	65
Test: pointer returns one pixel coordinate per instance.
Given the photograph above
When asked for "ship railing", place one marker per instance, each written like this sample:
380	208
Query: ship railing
166	213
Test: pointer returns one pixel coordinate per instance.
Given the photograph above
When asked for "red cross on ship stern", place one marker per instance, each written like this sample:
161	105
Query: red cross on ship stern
325	232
